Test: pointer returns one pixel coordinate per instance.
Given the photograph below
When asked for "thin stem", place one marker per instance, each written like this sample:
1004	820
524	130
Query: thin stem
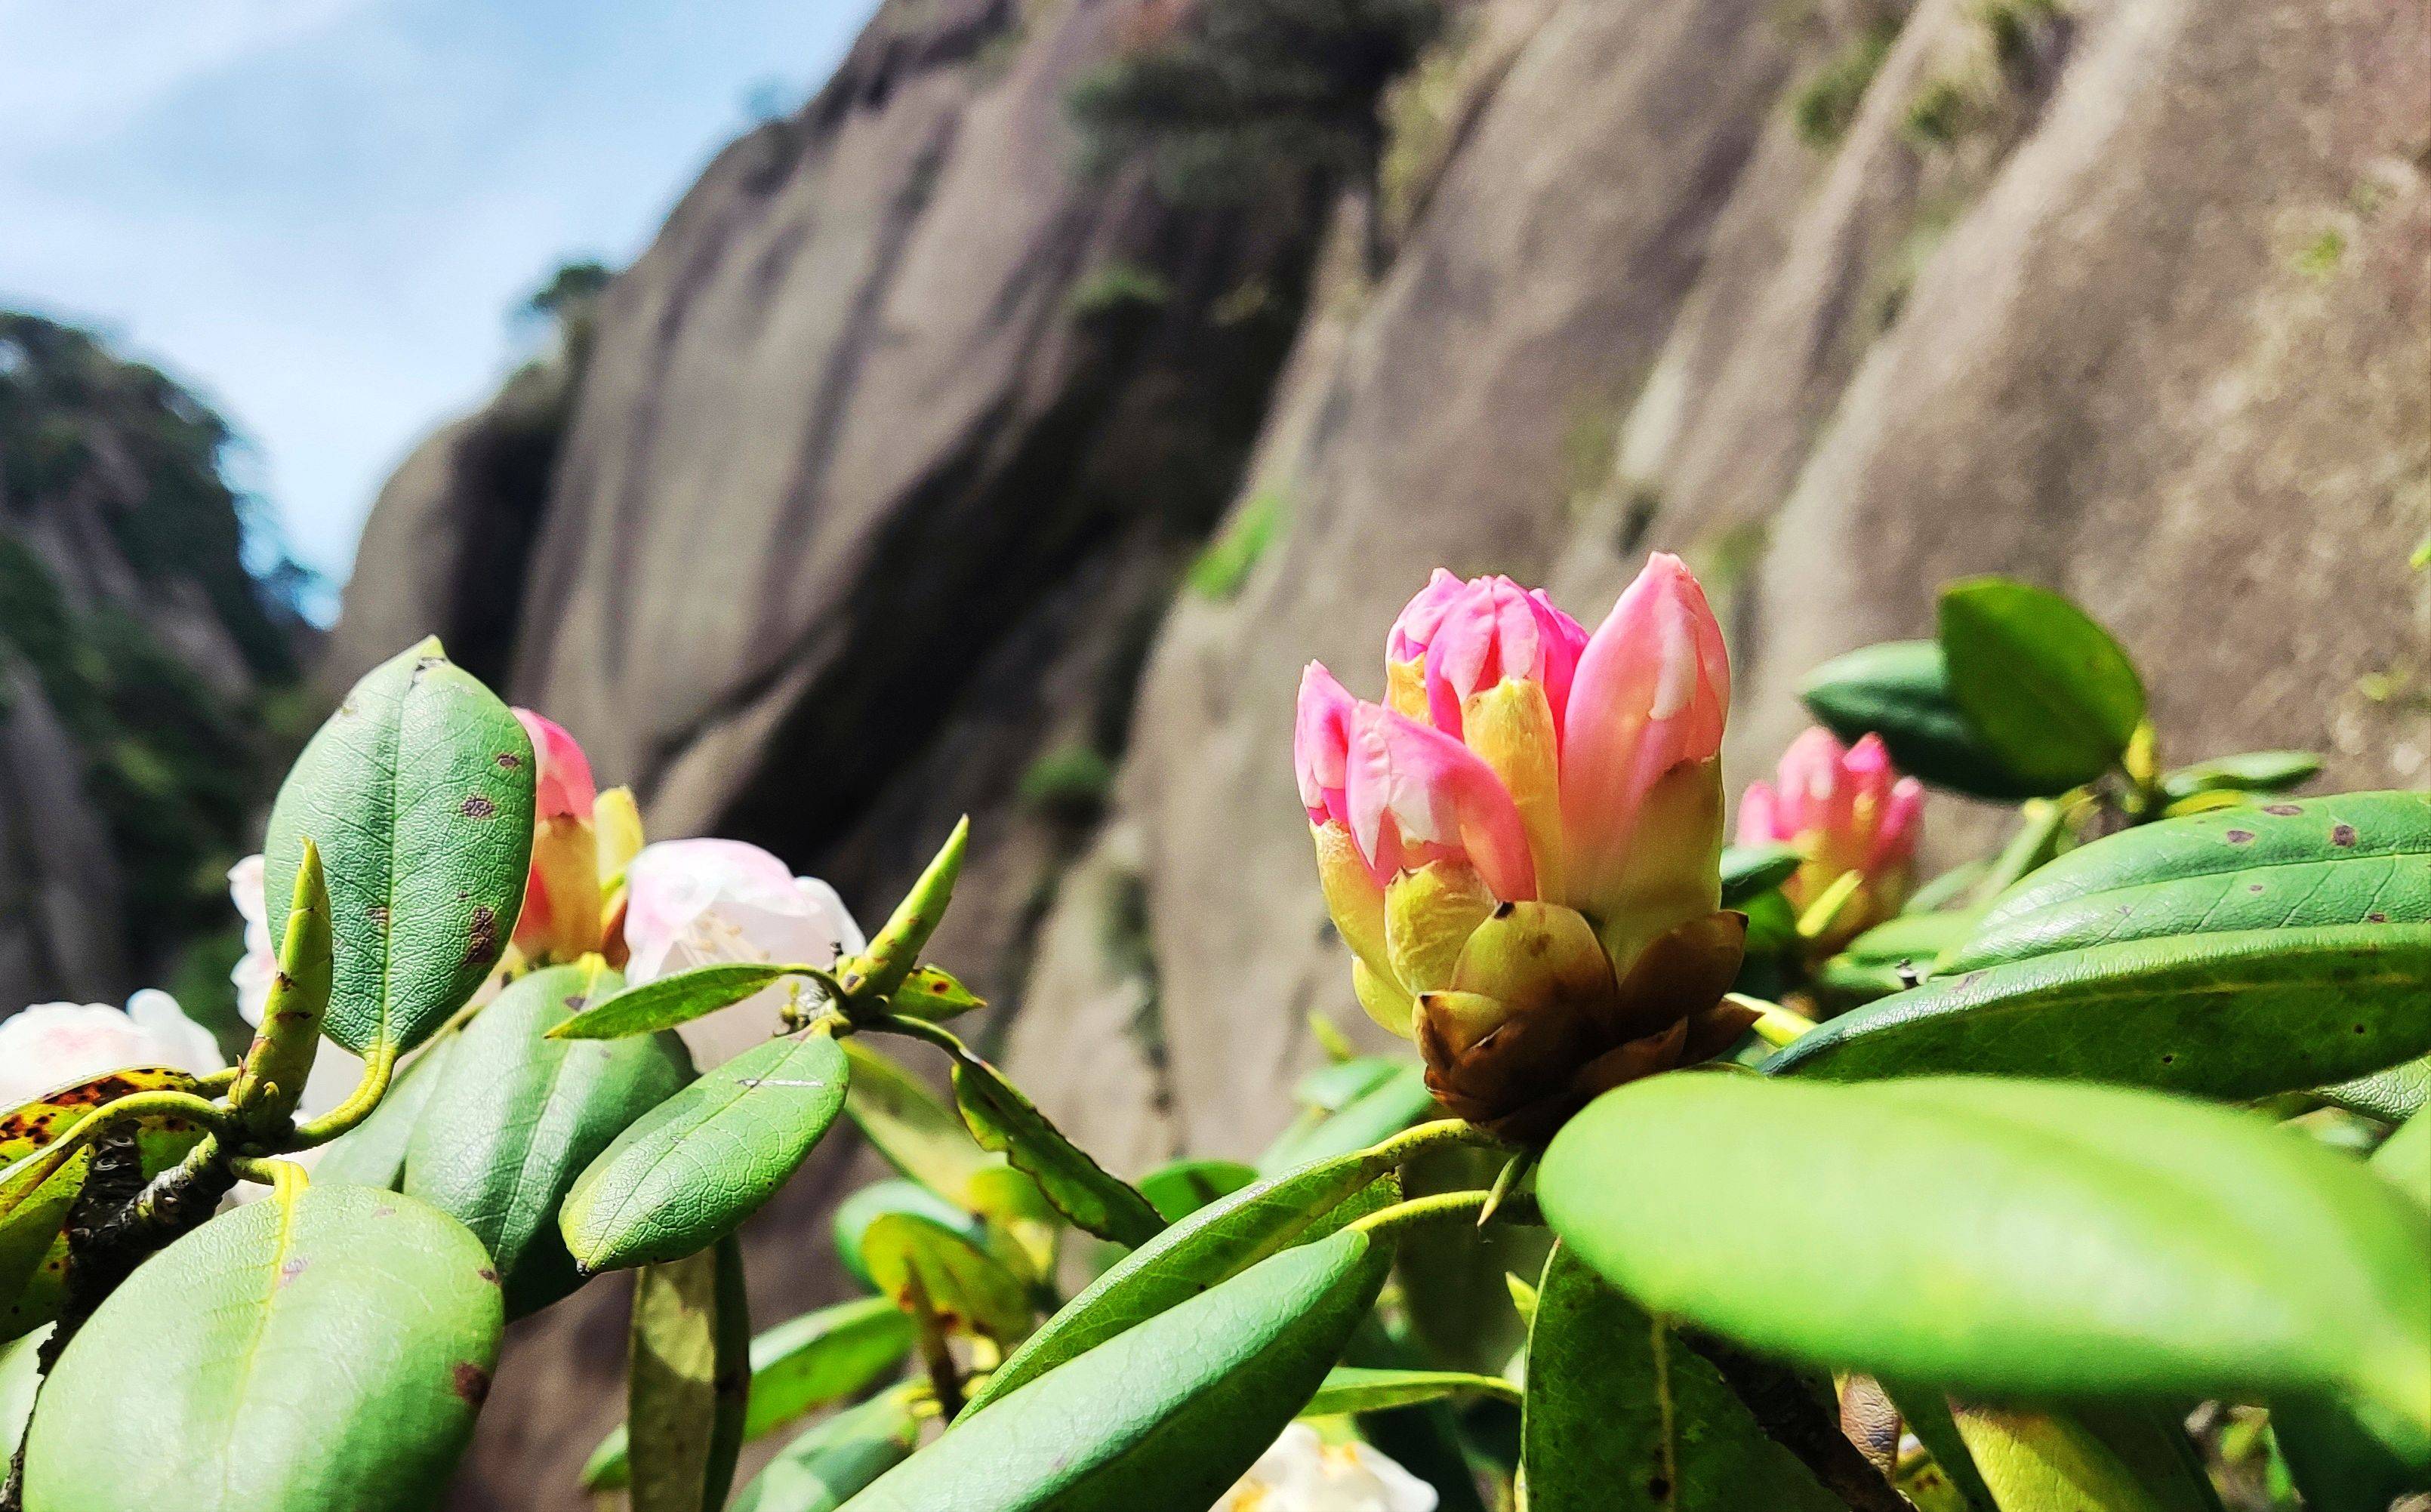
1392	1220
378	1067
920	1029
937	1354
285	1179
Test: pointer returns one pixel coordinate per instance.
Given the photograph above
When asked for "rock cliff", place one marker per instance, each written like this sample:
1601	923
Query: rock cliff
138	659
887	488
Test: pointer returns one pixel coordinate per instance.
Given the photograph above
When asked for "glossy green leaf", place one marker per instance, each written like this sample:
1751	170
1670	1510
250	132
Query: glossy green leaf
2045	688
373	1152
1893	955
2233	1016
1184	1187
798	1366
832	1462
689	1172
854	1215
1002	1119
687	1382
928	1267
1623	1416
1168	1414
2061	1240
2355	858
1392	1105
322	1348
1349	1389
21	1376
517	1116
2100	1458
1900	690
1749	870
2253	771
270	1080
2392	1095
419	793
919	1135
673	1000
1217	1242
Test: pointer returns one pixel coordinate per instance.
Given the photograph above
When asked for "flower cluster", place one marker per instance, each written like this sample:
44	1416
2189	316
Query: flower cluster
1846	810
1520	845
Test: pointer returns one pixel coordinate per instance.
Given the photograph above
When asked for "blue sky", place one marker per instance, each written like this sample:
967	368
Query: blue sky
320	213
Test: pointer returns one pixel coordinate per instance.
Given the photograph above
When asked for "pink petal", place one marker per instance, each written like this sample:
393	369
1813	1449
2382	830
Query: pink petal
1492	630
1320	735
1415	795
1651	691
1414	627
1760	817
561	787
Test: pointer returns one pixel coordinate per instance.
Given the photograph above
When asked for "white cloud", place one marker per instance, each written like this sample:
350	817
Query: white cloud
74	69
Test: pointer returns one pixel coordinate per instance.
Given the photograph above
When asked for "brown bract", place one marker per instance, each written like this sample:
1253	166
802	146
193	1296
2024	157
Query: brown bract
1559	1041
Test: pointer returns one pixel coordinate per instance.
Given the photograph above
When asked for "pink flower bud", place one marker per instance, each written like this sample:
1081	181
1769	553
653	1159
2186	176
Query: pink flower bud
1415	629
561	783
1846	809
1494	630
1650	696
1320	741
1415	795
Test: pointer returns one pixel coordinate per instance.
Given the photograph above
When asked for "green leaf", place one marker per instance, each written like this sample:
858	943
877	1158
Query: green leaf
854	1215
689	1376
932	995
1005	1121
919	1135
1392	1105
2060	1241
419	792
2232	1017
673	1000
1334	1086
1184	1187
1168	1414
1900	690
928	1267
1349	1389
798	1366
516	1116
373	1152
270	1080
1926	1413
2103	1458
830	1463
1623	1416
2393	1095
324	1347
2254	771
2356	858
1450	1274
1750	870
21	1376
2403	1159
689	1170
1210	1246
1871	964
2047	689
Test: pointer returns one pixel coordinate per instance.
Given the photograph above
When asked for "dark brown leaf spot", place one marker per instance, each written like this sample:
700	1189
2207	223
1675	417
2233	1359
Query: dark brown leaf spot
2253	887
2377	917
508	760
487	1274
483	943
2239	837
471	1382
2342	834
2283	810
477	807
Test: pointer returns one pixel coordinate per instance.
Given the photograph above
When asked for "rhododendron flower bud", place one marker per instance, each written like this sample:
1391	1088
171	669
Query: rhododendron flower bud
1304	1473
560	919
1846	809
1523	843
695	903
52	1045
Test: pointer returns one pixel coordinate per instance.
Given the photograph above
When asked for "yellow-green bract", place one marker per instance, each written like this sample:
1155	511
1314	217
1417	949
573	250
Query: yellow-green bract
319	1351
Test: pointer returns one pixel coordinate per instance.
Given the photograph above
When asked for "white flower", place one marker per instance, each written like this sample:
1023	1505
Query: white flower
1304	1473
53	1044
694	902
336	1071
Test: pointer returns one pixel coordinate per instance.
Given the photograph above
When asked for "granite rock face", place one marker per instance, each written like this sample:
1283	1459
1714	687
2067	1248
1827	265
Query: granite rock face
862	507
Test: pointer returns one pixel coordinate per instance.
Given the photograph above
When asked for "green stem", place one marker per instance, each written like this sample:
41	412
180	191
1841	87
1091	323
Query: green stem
1392	1220
285	1179
378	1067
1422	1137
